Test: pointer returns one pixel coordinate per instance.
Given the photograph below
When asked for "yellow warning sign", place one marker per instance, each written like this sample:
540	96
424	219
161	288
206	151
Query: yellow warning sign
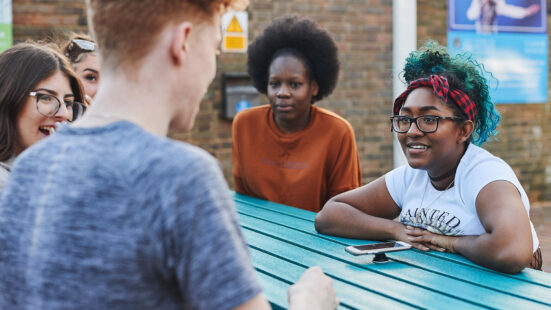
234	43
235	27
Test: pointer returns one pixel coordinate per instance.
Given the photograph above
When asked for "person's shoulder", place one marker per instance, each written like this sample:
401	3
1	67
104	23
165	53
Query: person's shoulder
138	151
401	180
154	151
332	120
329	115
177	169
478	160
476	155
182	155
251	113
154	146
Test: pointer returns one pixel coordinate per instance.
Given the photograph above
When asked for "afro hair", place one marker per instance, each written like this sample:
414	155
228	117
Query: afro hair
306	40
464	73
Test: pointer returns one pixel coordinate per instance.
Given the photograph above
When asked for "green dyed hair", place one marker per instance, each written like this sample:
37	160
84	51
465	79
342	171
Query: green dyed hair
464	73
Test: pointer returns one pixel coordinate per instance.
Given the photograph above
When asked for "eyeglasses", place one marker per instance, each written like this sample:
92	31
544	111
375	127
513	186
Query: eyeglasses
49	105
77	47
425	123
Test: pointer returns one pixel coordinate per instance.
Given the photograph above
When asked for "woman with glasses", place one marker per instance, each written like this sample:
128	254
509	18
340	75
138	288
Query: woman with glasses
38	90
82	52
291	151
452	195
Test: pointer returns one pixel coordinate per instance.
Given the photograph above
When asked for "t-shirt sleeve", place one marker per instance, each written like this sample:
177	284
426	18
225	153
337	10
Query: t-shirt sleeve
214	268
483	173
346	174
396	184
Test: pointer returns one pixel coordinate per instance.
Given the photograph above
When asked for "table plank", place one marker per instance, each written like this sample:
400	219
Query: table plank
529	275
274	290
445	263
355	277
296	212
396	273
352	297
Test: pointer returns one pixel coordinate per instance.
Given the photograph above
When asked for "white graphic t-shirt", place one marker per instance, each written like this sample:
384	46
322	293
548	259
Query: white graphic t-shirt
452	211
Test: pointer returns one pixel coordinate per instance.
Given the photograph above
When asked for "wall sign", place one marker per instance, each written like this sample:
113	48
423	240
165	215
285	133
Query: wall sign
509	37
6	32
235	30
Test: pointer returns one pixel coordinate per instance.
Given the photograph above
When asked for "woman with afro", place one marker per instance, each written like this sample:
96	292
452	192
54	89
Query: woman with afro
452	195
291	151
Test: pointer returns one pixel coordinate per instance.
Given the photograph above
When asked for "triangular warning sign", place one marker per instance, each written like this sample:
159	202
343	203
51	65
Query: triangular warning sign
234	25
234	37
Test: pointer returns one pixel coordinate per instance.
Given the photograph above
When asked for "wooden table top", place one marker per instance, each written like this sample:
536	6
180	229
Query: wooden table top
283	244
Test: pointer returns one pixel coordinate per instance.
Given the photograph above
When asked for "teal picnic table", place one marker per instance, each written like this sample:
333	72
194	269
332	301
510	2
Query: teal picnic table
283	244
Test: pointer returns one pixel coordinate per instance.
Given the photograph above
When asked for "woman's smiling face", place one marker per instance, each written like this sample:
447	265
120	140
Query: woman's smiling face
436	151
33	126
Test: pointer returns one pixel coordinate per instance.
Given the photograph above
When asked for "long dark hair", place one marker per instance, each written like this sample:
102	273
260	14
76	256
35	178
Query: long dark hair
22	67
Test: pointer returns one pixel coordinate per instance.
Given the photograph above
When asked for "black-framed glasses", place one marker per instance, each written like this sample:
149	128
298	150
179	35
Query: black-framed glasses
77	47
425	123
49	105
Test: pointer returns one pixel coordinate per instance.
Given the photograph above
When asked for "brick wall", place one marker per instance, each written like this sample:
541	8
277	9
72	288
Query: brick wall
363	31
42	19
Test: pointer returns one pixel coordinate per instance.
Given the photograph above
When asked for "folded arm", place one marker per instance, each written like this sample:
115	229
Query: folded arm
366	212
507	244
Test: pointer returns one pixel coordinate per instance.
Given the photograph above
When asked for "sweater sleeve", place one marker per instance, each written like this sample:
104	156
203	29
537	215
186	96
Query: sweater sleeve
346	174
237	179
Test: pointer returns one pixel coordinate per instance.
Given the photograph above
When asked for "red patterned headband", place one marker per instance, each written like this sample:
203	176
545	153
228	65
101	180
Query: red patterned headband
442	90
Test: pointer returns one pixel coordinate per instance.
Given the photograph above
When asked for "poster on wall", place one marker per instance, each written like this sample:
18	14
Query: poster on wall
509	37
6	36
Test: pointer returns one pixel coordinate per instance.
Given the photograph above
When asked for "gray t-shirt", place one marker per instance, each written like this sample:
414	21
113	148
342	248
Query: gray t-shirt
116	218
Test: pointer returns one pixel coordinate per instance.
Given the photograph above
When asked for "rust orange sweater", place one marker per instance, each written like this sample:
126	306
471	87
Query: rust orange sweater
302	169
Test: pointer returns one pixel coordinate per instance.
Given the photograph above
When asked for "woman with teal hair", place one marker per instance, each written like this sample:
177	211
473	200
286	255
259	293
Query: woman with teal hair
452	195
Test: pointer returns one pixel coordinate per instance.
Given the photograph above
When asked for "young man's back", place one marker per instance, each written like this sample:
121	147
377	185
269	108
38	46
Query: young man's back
108	215
156	226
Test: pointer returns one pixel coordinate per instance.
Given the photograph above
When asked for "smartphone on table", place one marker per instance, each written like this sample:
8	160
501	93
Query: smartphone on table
376	248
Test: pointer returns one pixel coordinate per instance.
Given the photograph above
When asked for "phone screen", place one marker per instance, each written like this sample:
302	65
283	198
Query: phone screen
378	246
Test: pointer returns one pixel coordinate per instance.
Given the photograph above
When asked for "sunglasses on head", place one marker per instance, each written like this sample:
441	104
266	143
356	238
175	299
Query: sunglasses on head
78	47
